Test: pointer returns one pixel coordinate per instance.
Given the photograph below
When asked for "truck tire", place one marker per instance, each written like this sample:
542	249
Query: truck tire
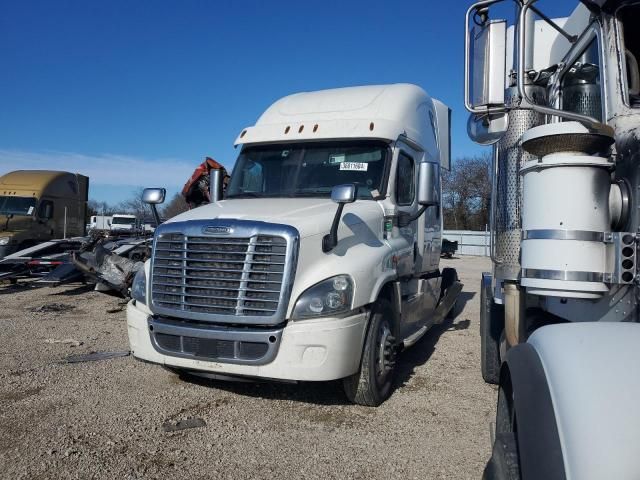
491	326
503	464
373	383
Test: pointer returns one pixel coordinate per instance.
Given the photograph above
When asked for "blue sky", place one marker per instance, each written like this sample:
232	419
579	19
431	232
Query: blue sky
137	93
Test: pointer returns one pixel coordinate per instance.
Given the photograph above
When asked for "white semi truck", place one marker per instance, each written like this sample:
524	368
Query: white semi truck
321	262
559	100
124	223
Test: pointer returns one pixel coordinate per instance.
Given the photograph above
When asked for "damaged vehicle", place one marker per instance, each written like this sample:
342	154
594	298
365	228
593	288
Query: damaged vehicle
321	262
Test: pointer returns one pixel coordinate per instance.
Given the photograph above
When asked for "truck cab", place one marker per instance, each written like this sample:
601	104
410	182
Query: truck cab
321	262
123	223
40	205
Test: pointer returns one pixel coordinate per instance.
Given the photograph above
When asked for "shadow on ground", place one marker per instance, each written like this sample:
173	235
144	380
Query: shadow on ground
318	393
421	352
330	393
463	299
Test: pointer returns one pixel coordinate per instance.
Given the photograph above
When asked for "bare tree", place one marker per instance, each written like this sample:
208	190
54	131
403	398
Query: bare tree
94	207
466	192
135	205
175	206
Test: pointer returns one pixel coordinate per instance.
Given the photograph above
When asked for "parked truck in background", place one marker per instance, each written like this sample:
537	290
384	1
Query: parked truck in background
322	260
559	100
40	205
124	223
100	222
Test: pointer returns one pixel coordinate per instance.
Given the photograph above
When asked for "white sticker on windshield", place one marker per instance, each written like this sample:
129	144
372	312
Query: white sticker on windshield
354	166
336	158
30	211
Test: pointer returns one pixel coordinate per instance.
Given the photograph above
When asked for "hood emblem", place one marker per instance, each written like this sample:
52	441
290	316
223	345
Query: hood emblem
217	230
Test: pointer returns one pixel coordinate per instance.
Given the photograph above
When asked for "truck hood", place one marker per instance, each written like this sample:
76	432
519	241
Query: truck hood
310	216
16	224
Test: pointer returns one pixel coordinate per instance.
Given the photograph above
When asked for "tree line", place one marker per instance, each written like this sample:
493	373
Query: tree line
466	197
466	193
135	206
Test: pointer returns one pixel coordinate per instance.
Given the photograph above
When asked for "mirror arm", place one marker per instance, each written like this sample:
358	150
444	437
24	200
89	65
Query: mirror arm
156	216
405	219
330	240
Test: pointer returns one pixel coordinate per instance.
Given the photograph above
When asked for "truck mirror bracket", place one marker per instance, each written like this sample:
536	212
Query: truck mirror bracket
405	219
340	194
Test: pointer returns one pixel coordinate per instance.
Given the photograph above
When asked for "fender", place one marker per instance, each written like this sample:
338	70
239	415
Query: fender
592	373
382	283
539	445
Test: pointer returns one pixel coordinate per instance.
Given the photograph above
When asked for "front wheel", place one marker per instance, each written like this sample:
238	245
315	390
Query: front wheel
373	383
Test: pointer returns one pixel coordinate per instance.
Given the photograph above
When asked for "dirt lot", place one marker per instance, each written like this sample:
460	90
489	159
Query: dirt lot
104	419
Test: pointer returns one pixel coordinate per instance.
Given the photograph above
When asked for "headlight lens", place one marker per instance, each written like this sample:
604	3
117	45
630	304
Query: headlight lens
139	287
5	240
329	297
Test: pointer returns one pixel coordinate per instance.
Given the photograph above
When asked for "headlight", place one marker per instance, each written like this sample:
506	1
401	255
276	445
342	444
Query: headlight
329	297
139	287
5	240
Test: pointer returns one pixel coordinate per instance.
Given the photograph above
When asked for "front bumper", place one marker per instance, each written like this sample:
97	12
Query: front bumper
310	350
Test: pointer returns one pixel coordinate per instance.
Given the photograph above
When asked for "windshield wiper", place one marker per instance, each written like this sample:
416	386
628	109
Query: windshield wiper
246	195
313	193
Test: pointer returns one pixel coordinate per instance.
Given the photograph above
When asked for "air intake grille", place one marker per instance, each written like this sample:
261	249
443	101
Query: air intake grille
211	348
218	275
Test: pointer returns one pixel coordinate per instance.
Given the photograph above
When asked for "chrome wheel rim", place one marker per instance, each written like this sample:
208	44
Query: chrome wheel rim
385	355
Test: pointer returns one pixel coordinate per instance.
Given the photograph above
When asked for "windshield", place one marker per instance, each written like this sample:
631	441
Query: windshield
123	221
17	205
309	170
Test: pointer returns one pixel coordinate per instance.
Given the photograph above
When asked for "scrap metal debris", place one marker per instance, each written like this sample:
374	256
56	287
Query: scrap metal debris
185	424
96	356
117	309
38	260
68	341
196	190
112	263
52	307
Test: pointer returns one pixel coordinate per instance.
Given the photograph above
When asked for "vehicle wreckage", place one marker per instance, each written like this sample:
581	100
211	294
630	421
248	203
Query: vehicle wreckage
110	261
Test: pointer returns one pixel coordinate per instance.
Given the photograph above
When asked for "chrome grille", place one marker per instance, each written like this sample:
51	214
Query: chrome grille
210	276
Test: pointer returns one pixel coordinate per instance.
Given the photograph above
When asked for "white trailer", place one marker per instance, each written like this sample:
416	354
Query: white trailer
559	100
100	222
322	260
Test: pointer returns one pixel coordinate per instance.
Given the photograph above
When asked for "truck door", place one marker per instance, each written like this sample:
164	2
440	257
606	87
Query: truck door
46	219
405	191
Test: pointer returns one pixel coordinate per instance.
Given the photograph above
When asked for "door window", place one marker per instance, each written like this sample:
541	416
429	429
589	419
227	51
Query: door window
405	180
45	210
628	20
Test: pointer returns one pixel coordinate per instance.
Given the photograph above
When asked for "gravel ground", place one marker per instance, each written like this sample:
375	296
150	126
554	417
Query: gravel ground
104	419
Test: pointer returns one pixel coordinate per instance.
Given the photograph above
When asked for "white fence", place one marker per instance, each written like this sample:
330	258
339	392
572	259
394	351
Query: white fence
469	242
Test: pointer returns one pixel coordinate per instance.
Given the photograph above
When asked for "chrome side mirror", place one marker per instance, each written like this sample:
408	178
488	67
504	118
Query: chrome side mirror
153	196
428	183
487	129
485	70
344	193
